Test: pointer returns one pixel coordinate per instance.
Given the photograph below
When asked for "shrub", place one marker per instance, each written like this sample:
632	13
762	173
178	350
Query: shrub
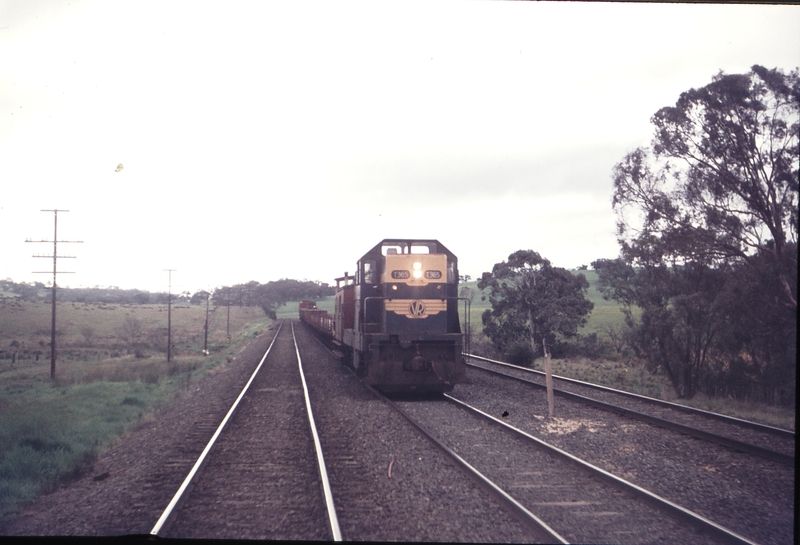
520	353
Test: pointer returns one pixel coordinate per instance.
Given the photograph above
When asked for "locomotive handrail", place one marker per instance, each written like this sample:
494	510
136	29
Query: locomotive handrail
467	322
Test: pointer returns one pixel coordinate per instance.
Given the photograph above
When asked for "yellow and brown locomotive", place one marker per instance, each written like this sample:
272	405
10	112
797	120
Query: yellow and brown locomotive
396	320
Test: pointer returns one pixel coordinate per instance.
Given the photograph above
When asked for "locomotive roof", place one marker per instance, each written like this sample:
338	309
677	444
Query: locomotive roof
434	244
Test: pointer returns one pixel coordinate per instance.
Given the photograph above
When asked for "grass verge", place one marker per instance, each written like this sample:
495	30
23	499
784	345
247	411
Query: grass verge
51	431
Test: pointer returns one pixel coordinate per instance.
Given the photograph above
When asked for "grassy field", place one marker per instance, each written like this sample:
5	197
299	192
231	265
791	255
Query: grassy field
107	380
605	314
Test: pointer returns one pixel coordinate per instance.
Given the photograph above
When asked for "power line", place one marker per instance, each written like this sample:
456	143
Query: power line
55	257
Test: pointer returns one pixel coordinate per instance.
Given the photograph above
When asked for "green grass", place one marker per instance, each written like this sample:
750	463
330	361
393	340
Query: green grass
50	430
779	417
629	377
605	314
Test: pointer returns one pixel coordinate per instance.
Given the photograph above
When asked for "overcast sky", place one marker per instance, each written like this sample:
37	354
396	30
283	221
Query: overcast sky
263	140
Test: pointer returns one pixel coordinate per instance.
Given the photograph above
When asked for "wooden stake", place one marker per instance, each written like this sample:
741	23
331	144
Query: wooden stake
548	369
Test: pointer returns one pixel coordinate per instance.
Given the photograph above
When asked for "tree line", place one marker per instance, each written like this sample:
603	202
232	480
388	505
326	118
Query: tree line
37	291
269	296
707	220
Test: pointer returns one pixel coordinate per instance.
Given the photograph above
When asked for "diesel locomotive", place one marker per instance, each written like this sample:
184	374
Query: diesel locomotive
396	320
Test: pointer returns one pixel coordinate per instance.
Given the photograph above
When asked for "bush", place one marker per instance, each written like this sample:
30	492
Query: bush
587	346
519	353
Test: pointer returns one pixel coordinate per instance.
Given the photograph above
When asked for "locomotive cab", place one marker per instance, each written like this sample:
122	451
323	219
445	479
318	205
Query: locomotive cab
405	334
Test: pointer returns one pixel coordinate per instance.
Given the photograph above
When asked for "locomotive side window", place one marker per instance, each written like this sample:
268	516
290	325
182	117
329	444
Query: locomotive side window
452	274
369	272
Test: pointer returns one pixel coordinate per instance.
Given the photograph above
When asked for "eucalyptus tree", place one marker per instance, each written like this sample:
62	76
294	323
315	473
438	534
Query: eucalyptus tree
707	223
531	298
719	182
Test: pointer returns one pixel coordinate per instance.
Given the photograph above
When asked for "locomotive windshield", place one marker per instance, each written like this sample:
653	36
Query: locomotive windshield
390	247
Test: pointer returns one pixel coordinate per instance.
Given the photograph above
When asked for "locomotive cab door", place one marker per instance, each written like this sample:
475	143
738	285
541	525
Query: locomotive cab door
371	317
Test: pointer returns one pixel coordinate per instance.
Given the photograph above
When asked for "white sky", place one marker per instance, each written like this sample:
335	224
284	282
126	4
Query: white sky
263	140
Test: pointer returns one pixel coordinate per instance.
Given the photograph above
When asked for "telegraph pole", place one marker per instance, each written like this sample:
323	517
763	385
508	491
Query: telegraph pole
169	317
205	336
228	326
55	257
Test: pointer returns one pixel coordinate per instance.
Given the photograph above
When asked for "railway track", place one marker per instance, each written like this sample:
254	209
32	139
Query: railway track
753	438
571	498
245	485
751	495
262	475
391	483
567	499
386	482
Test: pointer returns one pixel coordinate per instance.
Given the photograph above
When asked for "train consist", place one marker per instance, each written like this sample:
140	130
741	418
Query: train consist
396	320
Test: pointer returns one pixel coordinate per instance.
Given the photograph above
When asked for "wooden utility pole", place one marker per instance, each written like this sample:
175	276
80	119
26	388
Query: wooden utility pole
169	316
55	257
228	326
205	336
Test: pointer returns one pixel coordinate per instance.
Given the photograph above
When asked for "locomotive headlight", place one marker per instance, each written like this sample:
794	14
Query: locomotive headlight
417	270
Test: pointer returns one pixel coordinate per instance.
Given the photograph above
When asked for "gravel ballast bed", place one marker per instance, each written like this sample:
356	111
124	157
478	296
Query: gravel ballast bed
388	482
747	494
575	502
734	431
261	478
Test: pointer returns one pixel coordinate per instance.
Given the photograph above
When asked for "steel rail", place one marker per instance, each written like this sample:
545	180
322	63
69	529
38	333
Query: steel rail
789	434
326	485
749	448
176	499
696	518
520	509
